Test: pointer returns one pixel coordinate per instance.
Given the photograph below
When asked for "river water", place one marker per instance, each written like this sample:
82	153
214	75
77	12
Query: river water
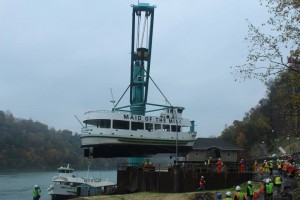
19	185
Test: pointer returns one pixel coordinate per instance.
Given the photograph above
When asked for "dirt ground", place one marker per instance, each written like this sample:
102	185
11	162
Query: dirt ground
144	196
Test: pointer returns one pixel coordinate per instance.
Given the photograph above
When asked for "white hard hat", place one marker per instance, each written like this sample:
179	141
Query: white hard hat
267	180
228	193
219	159
238	188
36	186
202	176
249	182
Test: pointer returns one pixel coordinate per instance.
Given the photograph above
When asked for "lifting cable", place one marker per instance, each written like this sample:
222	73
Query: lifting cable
138	31
160	90
128	87
145	22
152	82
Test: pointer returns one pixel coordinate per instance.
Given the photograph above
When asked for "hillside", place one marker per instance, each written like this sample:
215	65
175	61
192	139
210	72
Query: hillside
28	145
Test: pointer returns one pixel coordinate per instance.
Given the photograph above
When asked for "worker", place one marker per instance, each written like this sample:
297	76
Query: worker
268	190
255	165
227	196
242	166
266	167
284	167
238	195
278	182
279	167
209	163
261	169
250	191
36	193
219	165
201	183
271	167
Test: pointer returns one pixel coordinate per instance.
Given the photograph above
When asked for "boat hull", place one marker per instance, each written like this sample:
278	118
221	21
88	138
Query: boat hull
132	150
61	197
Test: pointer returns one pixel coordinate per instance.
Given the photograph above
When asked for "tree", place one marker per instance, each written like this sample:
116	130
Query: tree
284	93
241	140
268	50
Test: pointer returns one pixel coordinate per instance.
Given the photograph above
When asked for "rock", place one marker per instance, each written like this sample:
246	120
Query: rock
204	196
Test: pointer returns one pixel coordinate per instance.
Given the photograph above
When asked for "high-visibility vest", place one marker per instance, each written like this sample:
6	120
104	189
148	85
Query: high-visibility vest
271	165
277	180
284	167
269	188
239	195
34	193
228	198
251	190
279	166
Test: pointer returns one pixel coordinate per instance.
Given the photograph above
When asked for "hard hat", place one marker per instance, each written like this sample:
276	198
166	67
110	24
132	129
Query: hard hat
238	188
202	176
36	186
219	159
249	182
267	180
228	193
219	195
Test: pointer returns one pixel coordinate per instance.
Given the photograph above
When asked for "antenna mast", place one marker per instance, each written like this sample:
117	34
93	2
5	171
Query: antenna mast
112	99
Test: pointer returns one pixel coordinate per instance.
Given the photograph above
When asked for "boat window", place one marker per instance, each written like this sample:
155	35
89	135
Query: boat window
137	125
119	124
173	128
104	123
149	126
157	126
166	127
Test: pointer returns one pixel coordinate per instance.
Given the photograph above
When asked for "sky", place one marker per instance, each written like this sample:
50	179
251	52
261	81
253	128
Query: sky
60	58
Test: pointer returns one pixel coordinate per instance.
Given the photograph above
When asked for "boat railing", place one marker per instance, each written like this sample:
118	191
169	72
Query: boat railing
104	111
91	180
145	166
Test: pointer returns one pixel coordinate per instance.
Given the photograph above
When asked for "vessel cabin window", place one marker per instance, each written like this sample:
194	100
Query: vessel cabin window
157	126
166	127
65	171
103	123
137	125
119	124
173	128
149	126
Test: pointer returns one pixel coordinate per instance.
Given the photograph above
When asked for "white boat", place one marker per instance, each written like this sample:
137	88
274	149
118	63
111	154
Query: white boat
128	133
117	134
66	185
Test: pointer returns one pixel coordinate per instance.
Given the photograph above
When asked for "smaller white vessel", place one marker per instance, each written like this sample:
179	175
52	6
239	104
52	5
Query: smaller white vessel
66	185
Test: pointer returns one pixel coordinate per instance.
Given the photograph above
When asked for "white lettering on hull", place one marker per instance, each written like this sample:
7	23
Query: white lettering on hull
151	119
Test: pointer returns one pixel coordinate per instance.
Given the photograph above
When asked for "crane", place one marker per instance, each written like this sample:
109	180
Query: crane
141	49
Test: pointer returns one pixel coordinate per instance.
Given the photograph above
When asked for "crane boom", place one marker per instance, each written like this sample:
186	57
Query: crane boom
141	49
